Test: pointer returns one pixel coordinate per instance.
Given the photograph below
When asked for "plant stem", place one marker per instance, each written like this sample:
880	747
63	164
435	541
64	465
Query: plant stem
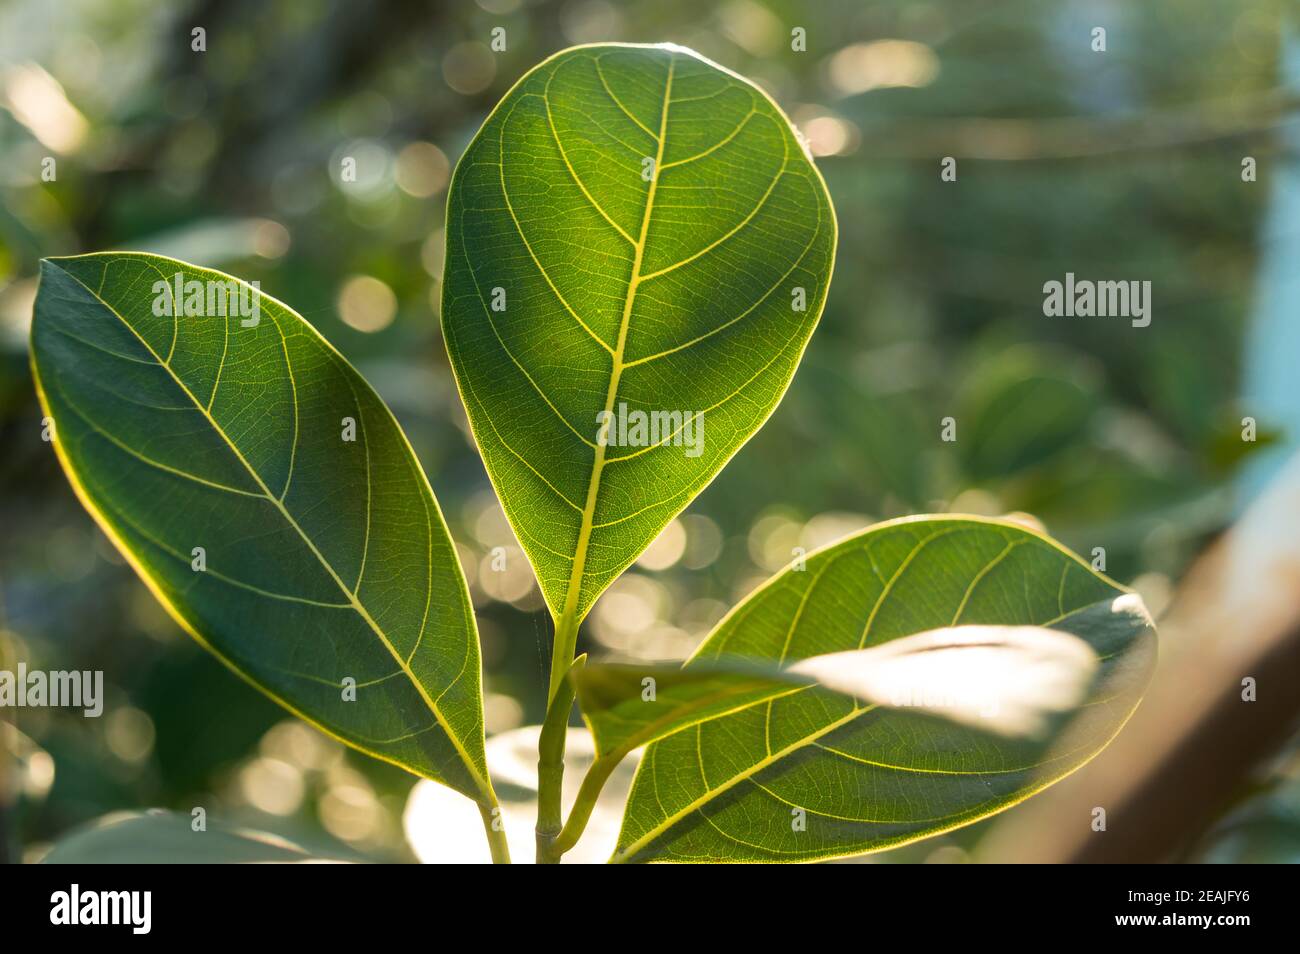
495	828
565	645
588	794
550	761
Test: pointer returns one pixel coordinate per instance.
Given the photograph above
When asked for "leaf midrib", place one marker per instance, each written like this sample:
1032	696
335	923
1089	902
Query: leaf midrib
574	592
355	602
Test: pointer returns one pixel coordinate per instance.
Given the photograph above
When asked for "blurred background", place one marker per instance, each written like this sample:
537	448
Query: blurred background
1123	164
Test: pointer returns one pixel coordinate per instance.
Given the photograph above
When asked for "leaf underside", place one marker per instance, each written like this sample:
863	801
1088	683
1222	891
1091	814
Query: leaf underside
326	559
675	294
865	777
614	703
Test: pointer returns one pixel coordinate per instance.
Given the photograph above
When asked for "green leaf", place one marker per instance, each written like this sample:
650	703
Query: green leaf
324	559
669	294
863	777
1032	674
169	838
623	713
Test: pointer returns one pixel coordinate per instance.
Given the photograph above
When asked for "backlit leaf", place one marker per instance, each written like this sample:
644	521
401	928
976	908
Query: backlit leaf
634	230
1025	676
270	501
630	705
815	775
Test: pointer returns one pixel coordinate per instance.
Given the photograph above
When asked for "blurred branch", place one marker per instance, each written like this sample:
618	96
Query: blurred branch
1018	140
1194	741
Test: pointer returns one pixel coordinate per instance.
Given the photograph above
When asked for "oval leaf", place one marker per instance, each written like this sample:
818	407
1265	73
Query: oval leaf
638	249
268	498
809	775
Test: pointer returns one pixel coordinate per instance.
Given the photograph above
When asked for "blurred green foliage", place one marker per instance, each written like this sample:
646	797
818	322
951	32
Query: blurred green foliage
1117	165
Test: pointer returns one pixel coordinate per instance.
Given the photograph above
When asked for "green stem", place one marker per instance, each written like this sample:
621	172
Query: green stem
494	826
550	762
565	645
588	794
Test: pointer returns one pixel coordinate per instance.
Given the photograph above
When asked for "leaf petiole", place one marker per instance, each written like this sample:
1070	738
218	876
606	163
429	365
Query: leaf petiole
494	827
588	795
550	759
